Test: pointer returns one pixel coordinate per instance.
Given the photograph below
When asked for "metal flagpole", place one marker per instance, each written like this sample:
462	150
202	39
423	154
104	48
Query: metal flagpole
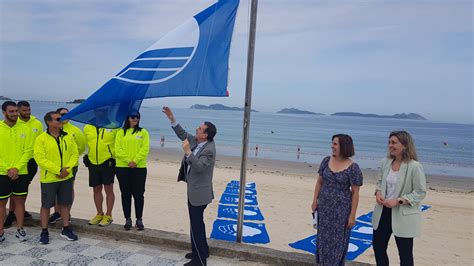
246	125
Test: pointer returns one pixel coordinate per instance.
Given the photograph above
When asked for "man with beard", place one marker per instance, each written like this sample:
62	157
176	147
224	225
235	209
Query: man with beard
16	146
24	112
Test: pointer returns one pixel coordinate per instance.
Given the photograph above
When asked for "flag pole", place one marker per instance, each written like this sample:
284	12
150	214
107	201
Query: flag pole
246	124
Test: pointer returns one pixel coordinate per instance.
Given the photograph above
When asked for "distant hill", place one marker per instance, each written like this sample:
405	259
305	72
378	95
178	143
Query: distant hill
77	101
3	98
217	107
296	111
411	116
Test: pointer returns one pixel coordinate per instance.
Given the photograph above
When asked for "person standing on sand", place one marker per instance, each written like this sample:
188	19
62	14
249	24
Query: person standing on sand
132	145
401	186
197	170
336	196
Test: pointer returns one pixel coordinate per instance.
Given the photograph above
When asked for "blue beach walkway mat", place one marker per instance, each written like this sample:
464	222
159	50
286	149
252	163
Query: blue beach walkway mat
236	191
360	239
231	212
356	246
252	232
236	183
234	199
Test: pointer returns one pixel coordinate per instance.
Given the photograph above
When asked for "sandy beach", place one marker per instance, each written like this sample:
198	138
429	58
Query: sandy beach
285	194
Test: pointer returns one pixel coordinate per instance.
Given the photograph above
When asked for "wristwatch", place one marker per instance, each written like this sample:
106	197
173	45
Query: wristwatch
400	201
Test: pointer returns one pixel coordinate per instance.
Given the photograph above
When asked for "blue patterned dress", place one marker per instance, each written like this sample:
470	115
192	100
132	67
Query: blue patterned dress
334	208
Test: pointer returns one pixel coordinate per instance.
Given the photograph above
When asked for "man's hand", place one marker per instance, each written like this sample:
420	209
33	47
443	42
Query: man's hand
390	203
167	111
132	164
64	172
186	148
13	173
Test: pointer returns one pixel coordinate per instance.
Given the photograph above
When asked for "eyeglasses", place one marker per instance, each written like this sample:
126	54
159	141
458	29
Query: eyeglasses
58	119
135	117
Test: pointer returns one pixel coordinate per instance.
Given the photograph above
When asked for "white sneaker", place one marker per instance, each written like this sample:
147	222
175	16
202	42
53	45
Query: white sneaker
21	234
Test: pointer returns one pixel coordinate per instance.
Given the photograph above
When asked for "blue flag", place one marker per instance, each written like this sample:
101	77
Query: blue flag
191	60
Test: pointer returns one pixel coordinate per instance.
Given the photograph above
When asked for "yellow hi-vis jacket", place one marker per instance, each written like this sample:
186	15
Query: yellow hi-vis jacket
101	143
35	126
52	154
16	147
78	136
132	147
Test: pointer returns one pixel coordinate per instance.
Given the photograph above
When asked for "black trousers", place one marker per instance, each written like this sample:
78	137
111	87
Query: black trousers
132	184
381	238
198	233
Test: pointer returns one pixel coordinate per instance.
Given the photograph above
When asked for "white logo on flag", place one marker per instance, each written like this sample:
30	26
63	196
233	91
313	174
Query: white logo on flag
166	58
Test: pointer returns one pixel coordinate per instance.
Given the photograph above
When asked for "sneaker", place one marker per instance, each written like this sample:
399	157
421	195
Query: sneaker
68	234
27	215
2	237
128	224
44	237
54	218
107	220
10	219
21	234
97	219
139	225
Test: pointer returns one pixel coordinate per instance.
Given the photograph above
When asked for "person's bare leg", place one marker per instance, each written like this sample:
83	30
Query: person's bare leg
19	210
98	199
110	198
44	214
3	209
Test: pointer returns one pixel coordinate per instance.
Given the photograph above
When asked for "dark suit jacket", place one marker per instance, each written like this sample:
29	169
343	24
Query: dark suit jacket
199	177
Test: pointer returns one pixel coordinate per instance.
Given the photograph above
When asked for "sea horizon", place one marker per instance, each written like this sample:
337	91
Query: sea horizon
443	148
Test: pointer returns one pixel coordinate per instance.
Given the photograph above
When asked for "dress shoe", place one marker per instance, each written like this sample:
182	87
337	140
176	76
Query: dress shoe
196	262
190	255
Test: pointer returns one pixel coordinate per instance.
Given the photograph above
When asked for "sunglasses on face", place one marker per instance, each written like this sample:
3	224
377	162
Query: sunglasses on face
57	119
135	117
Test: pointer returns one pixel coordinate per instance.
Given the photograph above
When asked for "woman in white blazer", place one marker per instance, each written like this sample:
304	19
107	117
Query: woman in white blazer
401	186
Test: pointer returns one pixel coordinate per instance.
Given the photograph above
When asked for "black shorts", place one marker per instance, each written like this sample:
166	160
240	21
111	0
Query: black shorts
102	174
74	172
32	169
18	187
60	191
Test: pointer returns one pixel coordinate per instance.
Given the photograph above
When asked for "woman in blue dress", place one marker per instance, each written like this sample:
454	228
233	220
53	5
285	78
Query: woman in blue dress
336	196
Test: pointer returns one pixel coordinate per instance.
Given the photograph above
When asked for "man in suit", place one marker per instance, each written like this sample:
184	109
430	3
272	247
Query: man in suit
196	170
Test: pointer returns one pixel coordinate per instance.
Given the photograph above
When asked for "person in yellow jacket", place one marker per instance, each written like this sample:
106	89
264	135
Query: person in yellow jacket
56	153
132	145
80	140
25	117
16	150
100	161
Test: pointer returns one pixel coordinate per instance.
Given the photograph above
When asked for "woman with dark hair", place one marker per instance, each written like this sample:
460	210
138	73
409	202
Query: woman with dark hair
401	186
336	196
131	152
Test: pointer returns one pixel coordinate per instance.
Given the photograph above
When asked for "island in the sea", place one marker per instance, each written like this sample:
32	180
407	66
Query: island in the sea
297	111
217	107
77	101
3	98
411	116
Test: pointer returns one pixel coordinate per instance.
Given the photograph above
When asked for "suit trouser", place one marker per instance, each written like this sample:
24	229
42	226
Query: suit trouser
381	238
132	183
198	232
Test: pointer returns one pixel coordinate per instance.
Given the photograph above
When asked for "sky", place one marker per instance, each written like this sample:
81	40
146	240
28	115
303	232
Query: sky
382	57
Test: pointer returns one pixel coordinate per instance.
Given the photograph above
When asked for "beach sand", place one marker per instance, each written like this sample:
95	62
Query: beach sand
285	192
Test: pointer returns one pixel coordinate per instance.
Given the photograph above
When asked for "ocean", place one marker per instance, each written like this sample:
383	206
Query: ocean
443	148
